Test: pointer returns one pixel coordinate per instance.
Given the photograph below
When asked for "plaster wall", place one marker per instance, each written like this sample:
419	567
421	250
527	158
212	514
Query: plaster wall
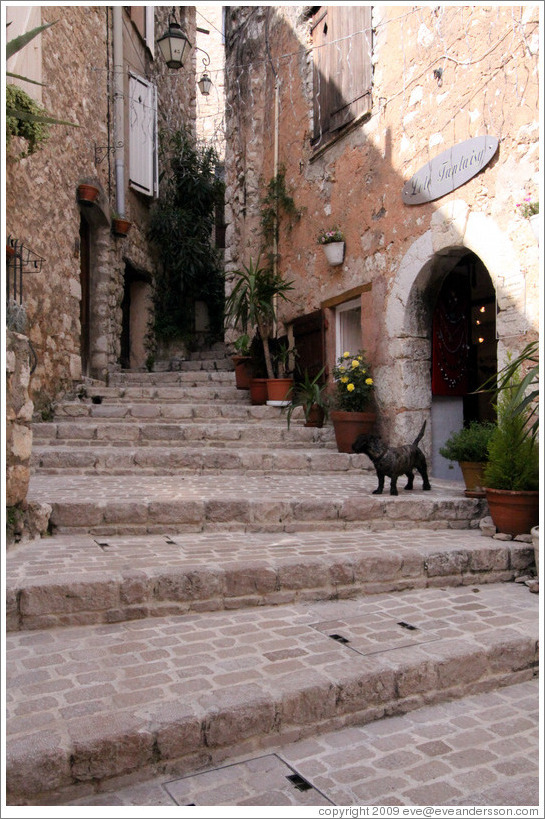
489	85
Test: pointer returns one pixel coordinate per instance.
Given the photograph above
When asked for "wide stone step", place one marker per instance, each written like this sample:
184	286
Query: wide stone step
104	504
172	460
186	411
88	703
153	432
80	580
206	392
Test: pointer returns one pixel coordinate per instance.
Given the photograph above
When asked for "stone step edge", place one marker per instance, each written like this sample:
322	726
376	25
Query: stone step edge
241	514
114	596
45	768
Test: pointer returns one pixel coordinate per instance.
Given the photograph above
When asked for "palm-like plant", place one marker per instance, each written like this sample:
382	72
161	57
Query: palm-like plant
23	110
520	394
252	302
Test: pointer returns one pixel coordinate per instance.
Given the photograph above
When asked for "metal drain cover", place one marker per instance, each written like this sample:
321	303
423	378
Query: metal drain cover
375	633
265	780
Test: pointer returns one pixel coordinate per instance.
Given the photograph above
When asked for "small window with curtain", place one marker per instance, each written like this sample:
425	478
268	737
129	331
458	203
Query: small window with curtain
342	79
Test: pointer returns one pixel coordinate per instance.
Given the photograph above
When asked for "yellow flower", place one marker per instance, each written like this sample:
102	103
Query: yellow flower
346	355
354	364
369	381
350	387
344	379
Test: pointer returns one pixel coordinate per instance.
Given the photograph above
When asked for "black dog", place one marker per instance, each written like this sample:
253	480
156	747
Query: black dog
394	461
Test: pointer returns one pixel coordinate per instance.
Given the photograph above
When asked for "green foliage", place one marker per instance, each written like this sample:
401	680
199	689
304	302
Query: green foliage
181	227
308	393
252	302
513	455
469	443
275	204
354	384
23	119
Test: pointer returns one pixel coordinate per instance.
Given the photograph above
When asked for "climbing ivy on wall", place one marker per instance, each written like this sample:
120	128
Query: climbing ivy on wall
182	220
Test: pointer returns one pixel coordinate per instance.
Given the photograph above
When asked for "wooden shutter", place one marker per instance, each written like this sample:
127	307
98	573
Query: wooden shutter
342	40
142	135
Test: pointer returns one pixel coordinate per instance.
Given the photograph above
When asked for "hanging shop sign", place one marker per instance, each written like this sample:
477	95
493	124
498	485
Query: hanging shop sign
449	170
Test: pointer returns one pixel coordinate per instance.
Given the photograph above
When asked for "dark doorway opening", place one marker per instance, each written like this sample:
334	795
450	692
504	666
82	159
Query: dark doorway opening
85	304
135	309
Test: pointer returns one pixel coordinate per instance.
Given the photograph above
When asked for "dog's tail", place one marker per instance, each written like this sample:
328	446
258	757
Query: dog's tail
420	434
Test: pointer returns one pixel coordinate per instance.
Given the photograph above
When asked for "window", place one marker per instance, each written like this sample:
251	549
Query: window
348	327
143	19
342	49
143	153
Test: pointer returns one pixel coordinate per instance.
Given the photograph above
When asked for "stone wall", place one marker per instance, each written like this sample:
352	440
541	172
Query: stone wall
23	520
42	210
488	58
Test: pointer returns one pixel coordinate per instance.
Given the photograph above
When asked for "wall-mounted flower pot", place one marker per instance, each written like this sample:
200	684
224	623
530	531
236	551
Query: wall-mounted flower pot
334	252
534	224
88	194
10	251
120	226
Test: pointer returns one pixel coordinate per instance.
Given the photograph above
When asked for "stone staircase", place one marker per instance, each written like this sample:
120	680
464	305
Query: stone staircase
215	583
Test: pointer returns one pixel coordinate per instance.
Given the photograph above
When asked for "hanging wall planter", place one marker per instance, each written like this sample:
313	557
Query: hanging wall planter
334	252
120	226
88	194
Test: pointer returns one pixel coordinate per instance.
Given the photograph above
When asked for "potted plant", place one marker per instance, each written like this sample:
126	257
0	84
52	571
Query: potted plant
354	386
120	224
511	474
311	395
280	387
87	193
332	241
242	361
469	447
252	303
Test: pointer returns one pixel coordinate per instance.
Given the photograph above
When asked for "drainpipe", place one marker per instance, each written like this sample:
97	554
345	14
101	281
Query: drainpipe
119	111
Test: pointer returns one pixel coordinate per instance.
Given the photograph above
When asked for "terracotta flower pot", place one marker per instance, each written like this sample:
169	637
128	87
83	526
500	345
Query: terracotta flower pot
258	390
315	417
243	371
513	512
120	226
348	425
473	478
279	391
87	194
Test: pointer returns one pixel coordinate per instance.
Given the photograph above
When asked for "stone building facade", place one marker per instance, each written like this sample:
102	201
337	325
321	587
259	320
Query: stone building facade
351	103
87	291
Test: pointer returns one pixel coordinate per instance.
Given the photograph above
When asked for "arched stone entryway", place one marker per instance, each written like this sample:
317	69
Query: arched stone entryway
404	380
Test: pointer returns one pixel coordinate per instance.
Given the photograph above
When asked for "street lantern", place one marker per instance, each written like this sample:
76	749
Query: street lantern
174	43
205	83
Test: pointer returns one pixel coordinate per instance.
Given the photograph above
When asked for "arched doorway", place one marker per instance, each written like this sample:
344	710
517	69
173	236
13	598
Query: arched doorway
463	350
135	308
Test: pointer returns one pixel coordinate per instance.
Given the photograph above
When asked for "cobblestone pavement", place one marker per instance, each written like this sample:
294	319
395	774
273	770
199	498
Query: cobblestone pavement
481	750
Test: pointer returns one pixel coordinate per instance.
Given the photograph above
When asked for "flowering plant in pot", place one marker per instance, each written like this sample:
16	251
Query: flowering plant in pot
469	447
333	244
354	388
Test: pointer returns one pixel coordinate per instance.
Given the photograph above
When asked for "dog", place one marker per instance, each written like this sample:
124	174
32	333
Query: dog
394	461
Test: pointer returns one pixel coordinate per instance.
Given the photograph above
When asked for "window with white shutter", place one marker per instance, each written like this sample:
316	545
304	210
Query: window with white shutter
143	160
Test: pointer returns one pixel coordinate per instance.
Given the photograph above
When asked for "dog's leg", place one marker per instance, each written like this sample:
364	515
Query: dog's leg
393	485
410	479
380	487
425	482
